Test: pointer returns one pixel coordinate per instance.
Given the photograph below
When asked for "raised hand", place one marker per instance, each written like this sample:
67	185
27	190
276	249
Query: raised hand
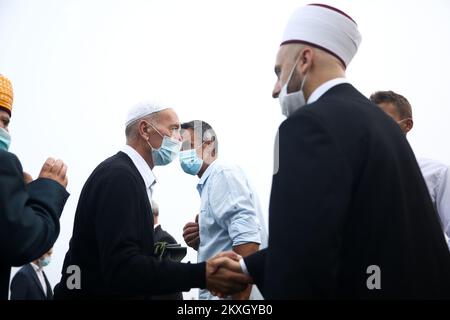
191	234
55	170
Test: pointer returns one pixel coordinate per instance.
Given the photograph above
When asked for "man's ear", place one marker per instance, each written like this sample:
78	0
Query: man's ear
409	124
144	129
210	146
306	59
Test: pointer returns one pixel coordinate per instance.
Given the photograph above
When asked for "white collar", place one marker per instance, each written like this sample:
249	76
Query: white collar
323	88
141	165
35	267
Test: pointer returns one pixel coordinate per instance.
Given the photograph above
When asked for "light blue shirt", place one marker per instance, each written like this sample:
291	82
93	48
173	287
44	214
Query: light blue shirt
230	213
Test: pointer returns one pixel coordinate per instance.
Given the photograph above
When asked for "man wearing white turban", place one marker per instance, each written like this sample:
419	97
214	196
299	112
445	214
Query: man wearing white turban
350	215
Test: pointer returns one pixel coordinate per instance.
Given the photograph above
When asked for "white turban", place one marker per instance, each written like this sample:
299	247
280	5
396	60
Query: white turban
142	110
326	28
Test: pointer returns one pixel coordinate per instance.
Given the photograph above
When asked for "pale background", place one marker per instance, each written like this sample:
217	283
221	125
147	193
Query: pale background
77	66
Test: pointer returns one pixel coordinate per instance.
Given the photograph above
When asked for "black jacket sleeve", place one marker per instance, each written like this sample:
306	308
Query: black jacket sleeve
29	215
310	198
125	267
19	286
255	264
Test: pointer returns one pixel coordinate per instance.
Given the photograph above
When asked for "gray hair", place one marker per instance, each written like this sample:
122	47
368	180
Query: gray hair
132	130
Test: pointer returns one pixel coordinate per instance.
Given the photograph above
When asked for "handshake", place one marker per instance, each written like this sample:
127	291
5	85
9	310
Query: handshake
224	275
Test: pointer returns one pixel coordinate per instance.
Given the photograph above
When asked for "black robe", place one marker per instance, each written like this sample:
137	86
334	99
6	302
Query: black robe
112	241
29	217
349	195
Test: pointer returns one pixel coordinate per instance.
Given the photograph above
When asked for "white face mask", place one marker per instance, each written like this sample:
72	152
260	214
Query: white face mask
291	102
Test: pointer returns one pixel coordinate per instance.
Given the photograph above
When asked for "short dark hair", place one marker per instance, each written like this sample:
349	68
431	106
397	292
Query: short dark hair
400	102
202	131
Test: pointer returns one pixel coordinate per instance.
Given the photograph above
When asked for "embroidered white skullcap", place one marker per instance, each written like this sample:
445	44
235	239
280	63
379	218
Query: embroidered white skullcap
143	109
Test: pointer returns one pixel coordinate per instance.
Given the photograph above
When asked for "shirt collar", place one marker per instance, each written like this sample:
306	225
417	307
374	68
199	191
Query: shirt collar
322	89
141	165
205	175
35	267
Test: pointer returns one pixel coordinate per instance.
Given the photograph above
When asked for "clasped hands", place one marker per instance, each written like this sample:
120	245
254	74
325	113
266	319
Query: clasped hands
224	275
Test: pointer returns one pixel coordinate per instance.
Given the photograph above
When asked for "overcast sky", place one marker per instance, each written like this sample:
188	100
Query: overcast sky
78	65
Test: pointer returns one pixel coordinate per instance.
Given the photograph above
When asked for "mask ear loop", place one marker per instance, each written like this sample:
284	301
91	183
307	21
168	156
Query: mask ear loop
154	128
291	73
304	79
156	131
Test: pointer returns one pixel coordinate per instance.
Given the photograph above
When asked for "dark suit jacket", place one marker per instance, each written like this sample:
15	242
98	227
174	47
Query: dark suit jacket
112	242
25	285
29	217
161	235
348	195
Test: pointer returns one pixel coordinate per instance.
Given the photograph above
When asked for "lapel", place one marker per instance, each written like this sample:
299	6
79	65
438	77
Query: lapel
35	278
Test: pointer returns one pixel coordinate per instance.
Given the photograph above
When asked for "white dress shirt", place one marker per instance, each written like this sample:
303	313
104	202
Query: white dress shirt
143	168
323	88
437	178
41	278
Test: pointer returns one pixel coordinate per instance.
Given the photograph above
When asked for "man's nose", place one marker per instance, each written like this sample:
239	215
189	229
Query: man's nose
276	89
178	136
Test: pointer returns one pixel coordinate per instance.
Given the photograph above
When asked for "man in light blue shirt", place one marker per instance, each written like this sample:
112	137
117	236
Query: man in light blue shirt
230	217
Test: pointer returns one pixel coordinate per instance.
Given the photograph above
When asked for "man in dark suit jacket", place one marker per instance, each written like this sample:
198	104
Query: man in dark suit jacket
31	283
350	215
29	213
112	243
161	235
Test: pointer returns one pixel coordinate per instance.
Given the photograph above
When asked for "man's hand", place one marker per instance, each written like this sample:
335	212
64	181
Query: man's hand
55	170
224	275
191	234
27	178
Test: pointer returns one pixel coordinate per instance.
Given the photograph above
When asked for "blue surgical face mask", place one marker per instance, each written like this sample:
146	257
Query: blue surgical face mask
43	262
190	162
5	139
167	152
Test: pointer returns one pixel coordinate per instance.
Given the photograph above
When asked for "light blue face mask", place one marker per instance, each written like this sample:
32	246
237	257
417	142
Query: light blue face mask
190	162
43	262
167	152
5	139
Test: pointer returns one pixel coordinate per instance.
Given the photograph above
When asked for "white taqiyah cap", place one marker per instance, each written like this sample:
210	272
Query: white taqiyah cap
143	109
